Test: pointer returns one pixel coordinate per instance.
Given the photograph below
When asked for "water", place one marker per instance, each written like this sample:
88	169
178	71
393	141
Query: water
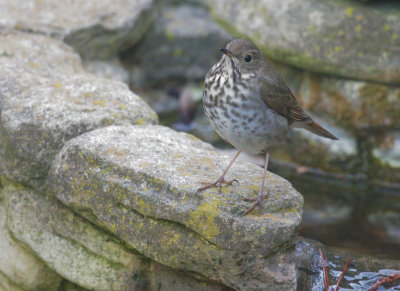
347	214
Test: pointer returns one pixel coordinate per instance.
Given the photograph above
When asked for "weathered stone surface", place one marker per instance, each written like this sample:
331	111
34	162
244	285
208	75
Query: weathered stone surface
166	279
69	286
19	269
111	69
183	45
365	117
334	37
352	104
140	182
6	284
47	98
96	29
70	245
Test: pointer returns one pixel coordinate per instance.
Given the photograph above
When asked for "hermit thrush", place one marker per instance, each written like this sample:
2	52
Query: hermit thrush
249	105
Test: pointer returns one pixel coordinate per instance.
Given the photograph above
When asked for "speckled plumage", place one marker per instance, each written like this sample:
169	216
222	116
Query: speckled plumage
250	106
236	111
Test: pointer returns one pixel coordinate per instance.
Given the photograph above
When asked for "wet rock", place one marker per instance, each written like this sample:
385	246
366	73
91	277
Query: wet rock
183	45
140	182
111	69
19	269
70	245
95	29
334	37
362	272
47	98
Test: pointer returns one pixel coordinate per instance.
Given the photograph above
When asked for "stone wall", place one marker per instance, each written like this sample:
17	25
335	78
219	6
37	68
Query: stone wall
95	195
341	59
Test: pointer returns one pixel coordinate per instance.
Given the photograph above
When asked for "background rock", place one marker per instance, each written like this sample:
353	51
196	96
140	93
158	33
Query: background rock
95	29
47	99
71	246
139	182
182	46
340	38
111	69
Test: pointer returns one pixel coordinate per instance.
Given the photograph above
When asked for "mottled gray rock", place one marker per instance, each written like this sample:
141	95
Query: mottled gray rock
7	285
96	29
340	38
111	69
47	98
70	245
166	279
140	182
183	45
19	269
353	105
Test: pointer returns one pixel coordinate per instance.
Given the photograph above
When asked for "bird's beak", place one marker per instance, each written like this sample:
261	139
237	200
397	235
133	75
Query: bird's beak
227	52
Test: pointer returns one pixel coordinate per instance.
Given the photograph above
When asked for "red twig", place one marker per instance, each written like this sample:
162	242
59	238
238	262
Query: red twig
324	265
341	275
383	281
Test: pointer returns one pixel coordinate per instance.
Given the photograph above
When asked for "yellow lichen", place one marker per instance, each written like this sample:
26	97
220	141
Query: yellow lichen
202	219
99	102
57	85
349	11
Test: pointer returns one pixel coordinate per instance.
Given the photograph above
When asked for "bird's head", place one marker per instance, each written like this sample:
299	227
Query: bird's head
244	54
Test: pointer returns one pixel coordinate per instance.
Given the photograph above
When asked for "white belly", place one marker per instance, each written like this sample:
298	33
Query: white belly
250	125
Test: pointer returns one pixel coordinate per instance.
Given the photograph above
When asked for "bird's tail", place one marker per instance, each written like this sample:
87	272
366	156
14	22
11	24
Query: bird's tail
319	130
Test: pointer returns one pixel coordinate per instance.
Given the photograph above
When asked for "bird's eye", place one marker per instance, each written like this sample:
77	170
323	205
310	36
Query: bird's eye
248	58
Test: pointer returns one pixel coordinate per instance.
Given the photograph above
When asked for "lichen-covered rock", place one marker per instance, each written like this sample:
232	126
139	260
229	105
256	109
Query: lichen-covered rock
140	182
47	98
166	279
19	269
70	245
353	105
96	29
339	38
183	45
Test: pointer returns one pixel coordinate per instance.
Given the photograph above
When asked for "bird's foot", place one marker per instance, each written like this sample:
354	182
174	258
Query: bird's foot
257	202
221	181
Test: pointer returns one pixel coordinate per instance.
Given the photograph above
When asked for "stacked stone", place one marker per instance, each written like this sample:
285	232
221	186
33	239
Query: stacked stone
94	194
343	62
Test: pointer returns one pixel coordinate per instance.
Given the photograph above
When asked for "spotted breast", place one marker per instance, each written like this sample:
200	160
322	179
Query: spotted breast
236	111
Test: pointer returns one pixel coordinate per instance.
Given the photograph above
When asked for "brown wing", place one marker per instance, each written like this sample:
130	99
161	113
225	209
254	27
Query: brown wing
278	96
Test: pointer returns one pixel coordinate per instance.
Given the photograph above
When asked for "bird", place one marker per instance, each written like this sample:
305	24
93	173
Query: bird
250	106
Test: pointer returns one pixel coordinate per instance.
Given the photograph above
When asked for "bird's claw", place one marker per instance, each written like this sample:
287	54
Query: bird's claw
257	202
218	183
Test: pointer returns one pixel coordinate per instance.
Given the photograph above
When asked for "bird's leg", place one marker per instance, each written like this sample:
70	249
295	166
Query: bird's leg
221	179
260	195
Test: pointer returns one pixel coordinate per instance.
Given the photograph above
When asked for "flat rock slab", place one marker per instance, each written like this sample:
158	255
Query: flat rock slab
70	245
96	29
340	38
140	182
47	98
